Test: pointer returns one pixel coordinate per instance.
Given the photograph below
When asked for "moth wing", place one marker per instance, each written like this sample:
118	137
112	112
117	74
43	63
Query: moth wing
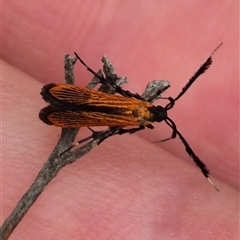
62	94
66	118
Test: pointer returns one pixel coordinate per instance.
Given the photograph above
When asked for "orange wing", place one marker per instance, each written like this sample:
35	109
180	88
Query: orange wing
73	106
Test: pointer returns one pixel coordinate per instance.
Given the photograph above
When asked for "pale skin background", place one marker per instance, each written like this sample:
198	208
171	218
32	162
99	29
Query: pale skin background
127	188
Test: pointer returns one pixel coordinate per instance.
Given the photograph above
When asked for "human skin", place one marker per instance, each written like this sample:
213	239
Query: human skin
127	188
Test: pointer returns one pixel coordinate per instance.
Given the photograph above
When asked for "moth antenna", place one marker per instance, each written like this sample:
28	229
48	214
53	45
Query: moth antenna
200	71
212	184
190	152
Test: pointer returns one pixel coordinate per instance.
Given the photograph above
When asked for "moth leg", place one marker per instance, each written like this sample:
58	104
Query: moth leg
124	93
78	143
95	134
130	131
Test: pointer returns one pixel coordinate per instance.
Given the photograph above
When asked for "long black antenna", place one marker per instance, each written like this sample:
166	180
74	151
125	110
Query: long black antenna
200	71
191	153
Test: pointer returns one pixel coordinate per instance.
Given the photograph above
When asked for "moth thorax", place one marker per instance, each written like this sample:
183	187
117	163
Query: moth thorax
158	113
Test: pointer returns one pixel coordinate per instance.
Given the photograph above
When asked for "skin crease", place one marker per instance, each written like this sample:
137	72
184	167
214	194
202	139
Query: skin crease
127	188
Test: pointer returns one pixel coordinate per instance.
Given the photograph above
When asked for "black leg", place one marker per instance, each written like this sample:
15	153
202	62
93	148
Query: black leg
131	130
124	93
